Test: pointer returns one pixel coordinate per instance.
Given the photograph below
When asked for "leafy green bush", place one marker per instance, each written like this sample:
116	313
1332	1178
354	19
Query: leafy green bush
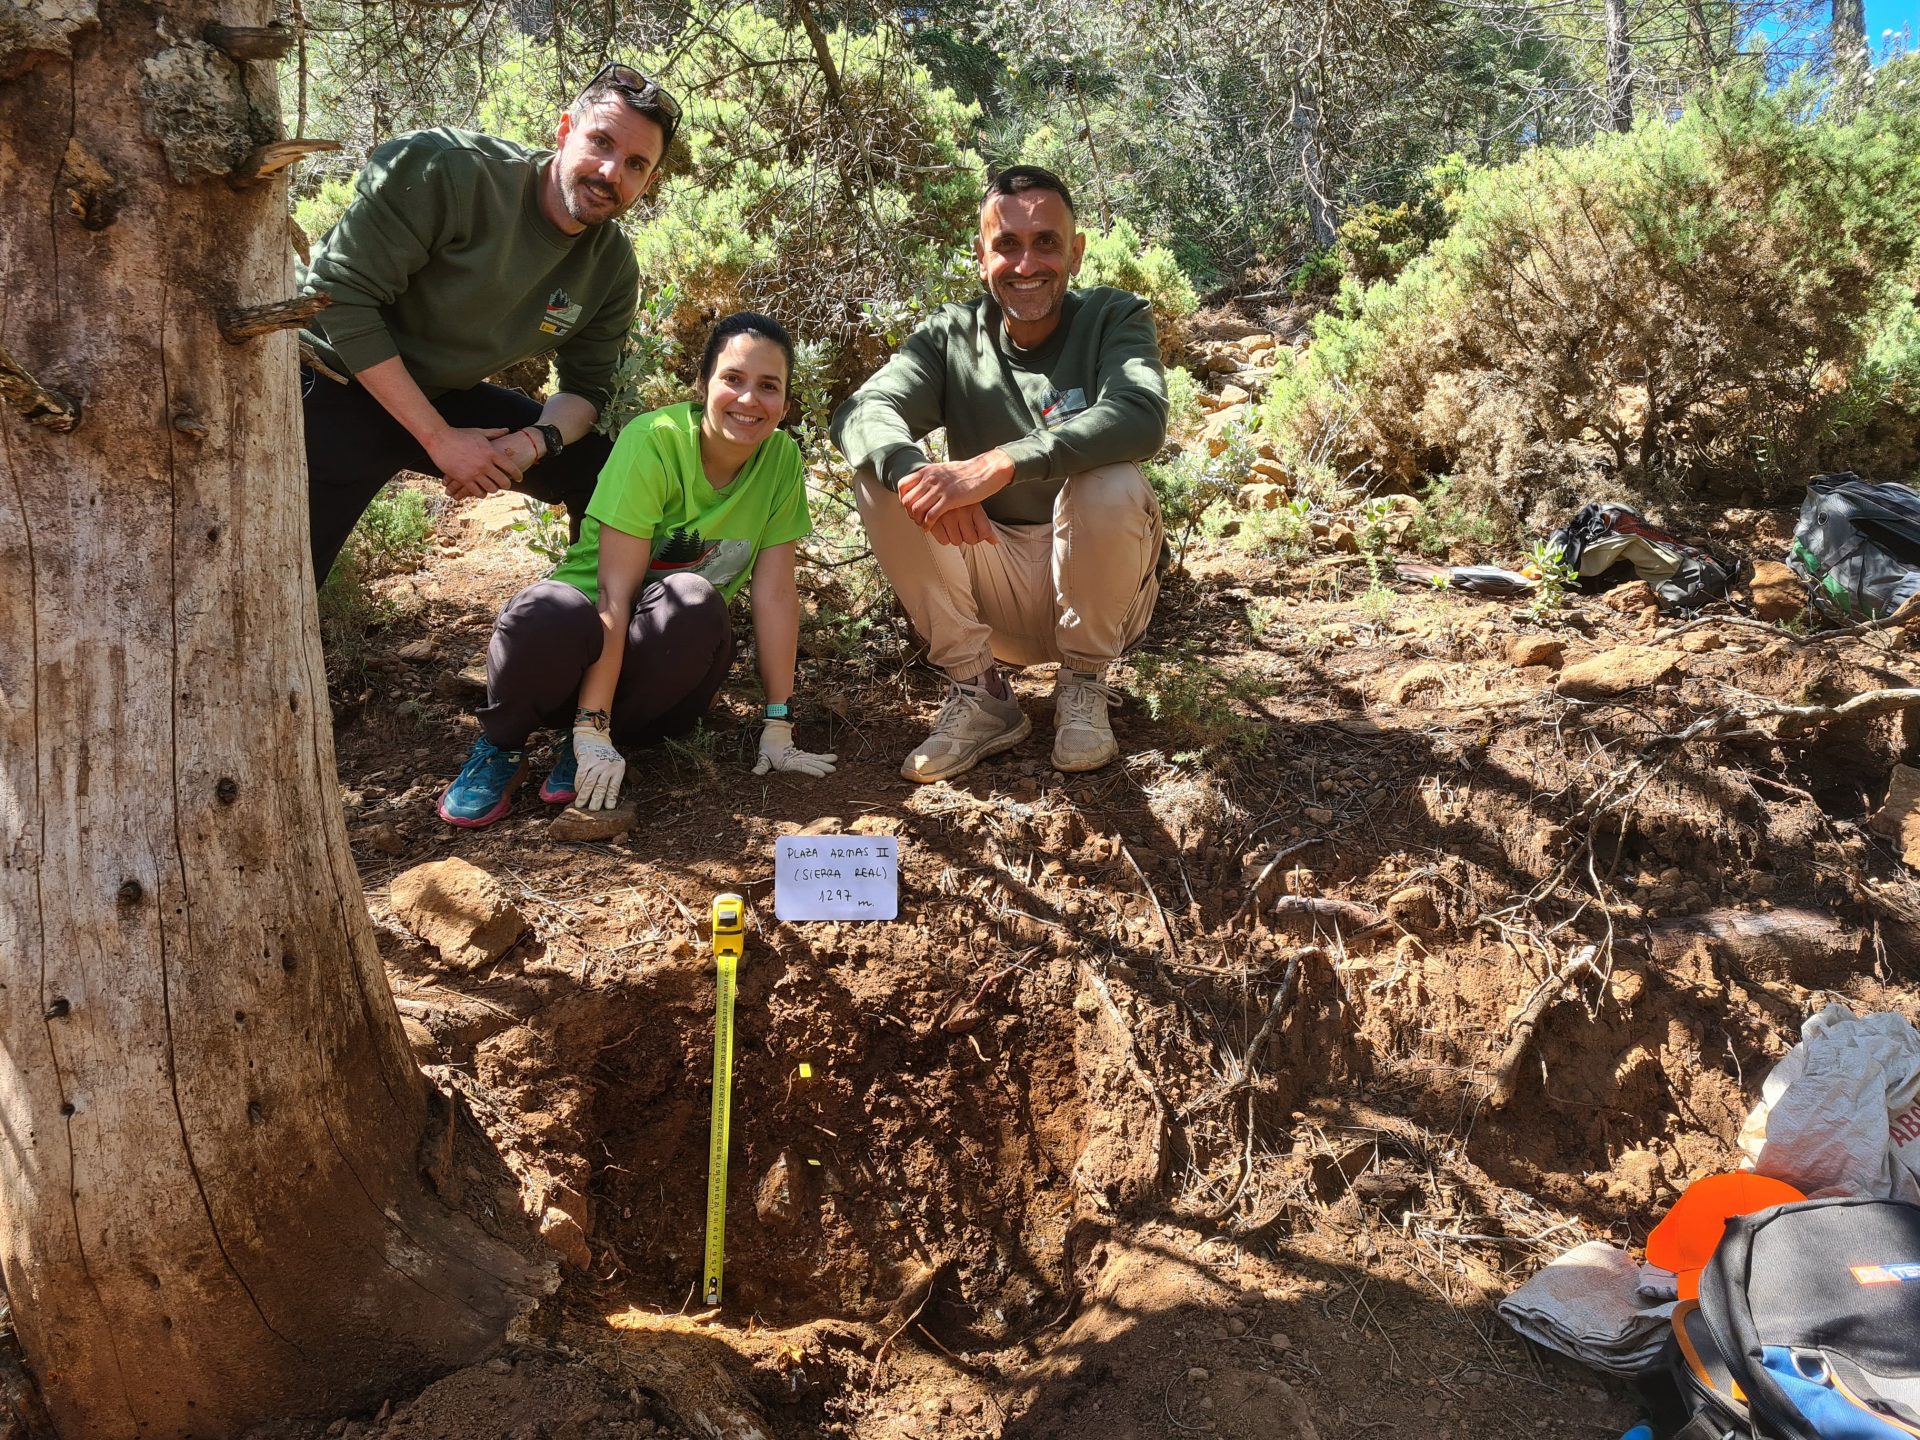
392	535
1196	703
1118	257
1377	242
391	538
1672	307
317	211
1193	482
1317	274
801	204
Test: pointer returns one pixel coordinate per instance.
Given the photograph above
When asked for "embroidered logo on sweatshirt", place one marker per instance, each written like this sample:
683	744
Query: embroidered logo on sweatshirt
562	314
1059	406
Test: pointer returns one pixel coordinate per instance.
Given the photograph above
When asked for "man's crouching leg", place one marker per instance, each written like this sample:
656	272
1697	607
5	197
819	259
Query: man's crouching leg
1106	549
935	584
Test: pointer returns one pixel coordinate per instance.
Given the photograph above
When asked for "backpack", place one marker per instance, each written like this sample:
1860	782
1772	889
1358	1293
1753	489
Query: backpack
1683	576
1857	545
1807	1327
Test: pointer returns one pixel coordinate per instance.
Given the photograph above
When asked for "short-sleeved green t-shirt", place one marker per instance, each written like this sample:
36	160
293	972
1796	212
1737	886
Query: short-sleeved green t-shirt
653	488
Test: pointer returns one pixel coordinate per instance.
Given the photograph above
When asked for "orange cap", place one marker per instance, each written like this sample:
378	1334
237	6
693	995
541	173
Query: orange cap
1684	1241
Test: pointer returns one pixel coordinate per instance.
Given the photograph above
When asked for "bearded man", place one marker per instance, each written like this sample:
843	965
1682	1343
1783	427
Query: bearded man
463	254
1037	541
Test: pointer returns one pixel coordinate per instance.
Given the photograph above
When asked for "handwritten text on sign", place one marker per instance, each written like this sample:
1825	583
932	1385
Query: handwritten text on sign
836	877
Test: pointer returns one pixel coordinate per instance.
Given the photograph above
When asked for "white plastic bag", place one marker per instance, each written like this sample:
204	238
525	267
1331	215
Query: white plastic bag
1840	1114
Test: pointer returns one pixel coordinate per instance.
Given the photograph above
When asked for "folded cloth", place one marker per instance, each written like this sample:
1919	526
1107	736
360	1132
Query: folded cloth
1588	1304
1840	1113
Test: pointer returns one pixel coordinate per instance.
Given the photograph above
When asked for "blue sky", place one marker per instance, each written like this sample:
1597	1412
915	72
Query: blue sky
1891	15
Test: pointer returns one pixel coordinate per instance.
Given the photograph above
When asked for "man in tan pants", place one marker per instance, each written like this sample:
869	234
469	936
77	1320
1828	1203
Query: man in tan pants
1038	541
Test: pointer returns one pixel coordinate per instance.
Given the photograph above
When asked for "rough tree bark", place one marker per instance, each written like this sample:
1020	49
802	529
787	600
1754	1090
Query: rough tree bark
1303	118
212	1138
1619	68
1848	36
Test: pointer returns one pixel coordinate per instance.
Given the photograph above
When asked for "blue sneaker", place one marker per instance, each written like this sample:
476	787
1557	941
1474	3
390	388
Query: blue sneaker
558	788
483	790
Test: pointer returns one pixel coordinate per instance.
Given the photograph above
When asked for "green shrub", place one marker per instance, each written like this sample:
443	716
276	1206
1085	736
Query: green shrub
1668	308
1118	257
1183	399
1319	273
1195	703
1193	482
801	205
392	535
317	211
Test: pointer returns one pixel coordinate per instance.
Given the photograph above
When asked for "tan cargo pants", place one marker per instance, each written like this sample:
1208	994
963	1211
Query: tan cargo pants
1078	591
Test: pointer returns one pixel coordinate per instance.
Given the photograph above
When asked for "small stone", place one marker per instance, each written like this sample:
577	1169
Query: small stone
1261	495
1898	818
1085	1005
1415	908
1197	1376
416	651
1631	598
1280	1340
563	1233
1697	642
1233	395
1319	815
459	909
468	683
1423	679
1777	591
500	1365
384	838
420	1040
825	825
1536	650
1236	1327
781	1198
1615	671
573	823
1341	537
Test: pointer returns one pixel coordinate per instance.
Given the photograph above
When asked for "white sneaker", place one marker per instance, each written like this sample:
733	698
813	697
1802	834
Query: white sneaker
1082	736
973	724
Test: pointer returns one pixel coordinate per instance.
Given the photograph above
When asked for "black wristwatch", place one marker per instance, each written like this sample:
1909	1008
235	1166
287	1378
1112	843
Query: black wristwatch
551	434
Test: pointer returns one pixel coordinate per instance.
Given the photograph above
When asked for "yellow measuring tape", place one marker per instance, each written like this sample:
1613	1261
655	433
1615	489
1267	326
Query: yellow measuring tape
729	940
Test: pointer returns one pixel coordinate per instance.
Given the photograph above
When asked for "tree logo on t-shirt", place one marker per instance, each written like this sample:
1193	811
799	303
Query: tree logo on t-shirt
562	314
685	551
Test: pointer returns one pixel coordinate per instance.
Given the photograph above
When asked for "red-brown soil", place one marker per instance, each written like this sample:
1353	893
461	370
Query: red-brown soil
1037	1185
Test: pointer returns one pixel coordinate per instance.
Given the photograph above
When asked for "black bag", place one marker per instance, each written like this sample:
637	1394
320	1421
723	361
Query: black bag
1858	545
1682	576
1807	1327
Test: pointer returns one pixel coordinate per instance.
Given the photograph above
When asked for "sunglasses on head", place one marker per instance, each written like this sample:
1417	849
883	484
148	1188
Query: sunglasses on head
640	90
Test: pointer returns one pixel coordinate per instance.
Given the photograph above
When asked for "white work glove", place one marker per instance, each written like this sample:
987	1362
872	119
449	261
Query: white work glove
777	752
596	783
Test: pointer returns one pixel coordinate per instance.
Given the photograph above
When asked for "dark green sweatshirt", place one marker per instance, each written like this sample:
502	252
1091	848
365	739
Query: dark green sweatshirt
445	260
1092	394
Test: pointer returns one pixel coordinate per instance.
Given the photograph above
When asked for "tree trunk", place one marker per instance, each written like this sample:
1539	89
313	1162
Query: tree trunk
1304	119
212	1209
1849	38
1619	68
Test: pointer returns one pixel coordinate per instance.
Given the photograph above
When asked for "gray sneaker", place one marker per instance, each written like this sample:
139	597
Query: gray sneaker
973	724
1082	736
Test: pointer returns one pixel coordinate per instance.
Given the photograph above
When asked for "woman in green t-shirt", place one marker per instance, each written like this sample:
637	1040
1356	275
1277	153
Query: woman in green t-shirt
630	636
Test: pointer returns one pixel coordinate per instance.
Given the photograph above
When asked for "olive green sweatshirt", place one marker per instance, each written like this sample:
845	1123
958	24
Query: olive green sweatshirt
445	260
1091	394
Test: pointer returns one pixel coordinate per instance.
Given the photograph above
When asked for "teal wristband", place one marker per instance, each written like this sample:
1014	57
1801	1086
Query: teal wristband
779	711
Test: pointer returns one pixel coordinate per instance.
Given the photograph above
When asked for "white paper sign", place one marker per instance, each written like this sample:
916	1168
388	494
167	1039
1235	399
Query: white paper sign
836	877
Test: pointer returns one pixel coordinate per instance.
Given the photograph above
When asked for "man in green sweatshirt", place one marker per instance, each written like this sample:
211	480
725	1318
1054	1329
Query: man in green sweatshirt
1037	541
460	255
